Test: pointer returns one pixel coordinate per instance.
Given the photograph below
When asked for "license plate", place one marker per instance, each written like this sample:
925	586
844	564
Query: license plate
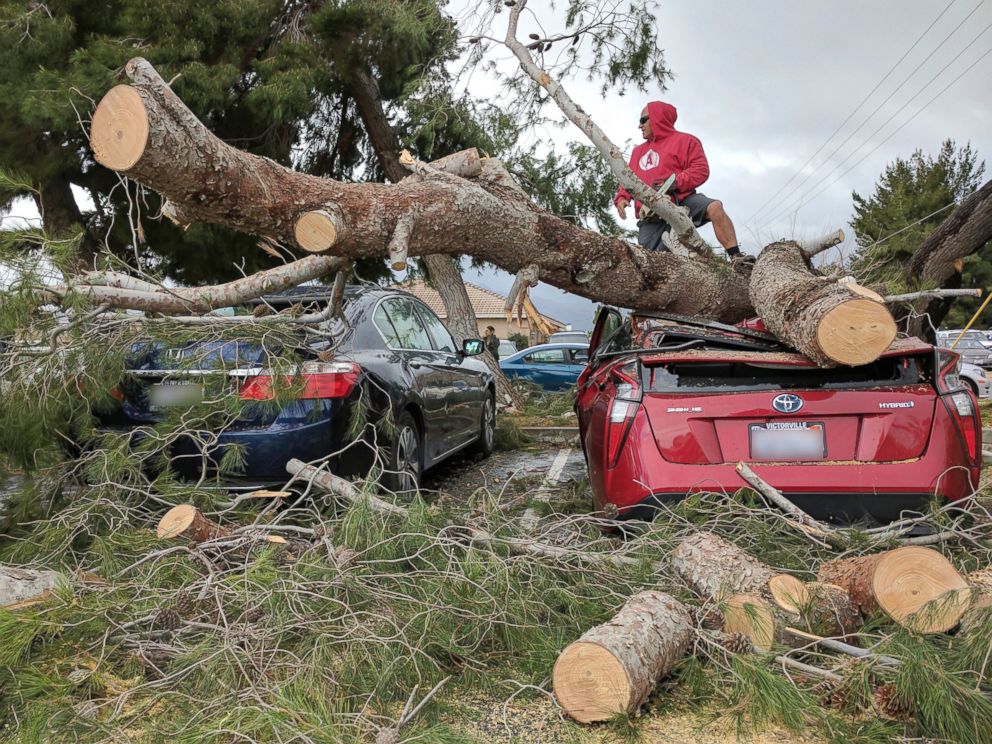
173	395
787	440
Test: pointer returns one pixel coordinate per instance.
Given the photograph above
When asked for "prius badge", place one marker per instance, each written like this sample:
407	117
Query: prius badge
787	403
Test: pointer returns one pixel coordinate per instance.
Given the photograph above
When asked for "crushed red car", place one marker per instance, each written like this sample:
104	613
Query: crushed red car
668	406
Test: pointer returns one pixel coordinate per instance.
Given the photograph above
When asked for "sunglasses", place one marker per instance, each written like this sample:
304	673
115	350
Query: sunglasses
643	119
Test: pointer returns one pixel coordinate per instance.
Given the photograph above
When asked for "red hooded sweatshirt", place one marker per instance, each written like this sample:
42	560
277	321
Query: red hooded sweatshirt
667	152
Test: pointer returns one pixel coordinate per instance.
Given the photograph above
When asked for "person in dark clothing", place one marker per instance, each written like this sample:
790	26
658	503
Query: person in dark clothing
492	341
668	152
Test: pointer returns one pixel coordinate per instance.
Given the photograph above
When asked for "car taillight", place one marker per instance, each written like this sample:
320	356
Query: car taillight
319	380
622	409
948	371
964	414
960	404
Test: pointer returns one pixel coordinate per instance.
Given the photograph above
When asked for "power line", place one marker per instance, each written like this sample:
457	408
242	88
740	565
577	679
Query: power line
802	200
896	130
854	110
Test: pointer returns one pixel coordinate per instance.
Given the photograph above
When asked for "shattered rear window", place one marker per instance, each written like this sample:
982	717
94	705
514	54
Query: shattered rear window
719	376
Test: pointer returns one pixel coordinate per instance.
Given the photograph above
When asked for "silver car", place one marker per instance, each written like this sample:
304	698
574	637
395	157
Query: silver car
977	379
970	347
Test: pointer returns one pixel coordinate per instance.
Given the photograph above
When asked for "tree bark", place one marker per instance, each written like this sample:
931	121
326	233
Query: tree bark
756	600
24	584
145	132
938	259
830	322
613	667
61	217
916	587
443	270
187	521
124	291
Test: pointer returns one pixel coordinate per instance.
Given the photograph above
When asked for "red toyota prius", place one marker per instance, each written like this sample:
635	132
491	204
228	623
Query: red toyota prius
668	406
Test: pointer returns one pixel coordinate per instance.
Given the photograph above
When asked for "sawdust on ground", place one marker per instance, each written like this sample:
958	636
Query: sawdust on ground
538	722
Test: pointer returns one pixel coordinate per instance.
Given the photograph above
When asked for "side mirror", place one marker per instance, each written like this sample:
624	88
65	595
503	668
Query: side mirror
473	346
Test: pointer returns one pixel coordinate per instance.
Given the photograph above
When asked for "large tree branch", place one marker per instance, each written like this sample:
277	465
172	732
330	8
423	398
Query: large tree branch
145	132
679	219
122	291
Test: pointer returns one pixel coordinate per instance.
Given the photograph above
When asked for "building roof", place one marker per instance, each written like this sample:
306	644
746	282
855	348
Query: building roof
485	302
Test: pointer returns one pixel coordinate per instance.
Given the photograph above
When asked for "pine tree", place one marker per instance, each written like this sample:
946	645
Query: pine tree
910	199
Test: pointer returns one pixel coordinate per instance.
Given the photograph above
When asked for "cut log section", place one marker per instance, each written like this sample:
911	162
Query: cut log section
187	521
22	585
317	231
915	586
830	322
613	667
757	601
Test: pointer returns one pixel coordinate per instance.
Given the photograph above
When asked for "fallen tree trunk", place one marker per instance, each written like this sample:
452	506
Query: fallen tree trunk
830	322
24	584
755	600
145	132
613	667
916	587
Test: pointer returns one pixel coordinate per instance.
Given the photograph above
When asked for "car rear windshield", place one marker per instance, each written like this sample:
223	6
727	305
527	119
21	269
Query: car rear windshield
720	376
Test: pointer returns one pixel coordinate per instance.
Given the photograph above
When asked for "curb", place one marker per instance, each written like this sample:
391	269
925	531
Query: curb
553	434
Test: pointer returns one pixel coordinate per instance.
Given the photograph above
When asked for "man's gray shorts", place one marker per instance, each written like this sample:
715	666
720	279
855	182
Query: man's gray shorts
650	231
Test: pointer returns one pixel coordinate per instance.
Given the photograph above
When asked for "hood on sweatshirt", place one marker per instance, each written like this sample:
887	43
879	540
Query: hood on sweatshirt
662	117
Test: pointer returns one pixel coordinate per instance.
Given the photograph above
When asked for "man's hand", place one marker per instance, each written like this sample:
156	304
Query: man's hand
622	207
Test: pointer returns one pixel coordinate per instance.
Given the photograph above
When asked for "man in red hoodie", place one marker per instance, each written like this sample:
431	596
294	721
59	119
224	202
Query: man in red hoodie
668	152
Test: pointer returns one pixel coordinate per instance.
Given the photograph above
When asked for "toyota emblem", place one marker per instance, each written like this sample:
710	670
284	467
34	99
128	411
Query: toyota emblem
787	403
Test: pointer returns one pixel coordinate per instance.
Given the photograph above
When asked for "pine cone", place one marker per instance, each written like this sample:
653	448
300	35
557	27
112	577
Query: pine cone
824	690
254	614
710	618
168	619
889	704
185	604
737	643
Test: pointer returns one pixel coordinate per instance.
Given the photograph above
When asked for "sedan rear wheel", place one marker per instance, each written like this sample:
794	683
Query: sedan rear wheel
486	442
406	460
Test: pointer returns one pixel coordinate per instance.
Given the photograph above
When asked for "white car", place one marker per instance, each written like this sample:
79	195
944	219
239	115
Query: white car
977	379
506	348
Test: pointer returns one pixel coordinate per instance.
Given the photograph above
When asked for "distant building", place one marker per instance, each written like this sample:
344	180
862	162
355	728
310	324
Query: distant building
488	307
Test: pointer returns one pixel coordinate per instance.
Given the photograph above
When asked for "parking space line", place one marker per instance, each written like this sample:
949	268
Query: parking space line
529	519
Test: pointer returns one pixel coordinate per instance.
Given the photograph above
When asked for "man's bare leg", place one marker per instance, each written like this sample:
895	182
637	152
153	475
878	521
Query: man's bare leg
722	225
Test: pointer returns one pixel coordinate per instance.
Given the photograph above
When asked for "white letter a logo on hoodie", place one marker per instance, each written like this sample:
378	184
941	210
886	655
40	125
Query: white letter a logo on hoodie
649	160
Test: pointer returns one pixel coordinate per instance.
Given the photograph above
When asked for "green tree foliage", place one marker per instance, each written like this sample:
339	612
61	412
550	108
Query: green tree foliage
911	198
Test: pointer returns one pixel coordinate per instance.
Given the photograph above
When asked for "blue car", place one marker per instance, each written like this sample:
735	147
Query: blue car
552	366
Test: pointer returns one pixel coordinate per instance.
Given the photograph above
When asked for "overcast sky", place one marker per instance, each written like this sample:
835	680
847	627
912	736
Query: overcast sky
764	85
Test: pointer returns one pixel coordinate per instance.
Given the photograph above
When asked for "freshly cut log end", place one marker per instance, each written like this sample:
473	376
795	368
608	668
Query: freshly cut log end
830	322
119	130
186	520
856	332
920	589
915	586
316	231
591	683
789	593
750	615
613	667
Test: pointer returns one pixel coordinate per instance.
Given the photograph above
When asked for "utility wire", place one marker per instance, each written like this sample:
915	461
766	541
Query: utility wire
934	213
802	201
853	111
888	98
